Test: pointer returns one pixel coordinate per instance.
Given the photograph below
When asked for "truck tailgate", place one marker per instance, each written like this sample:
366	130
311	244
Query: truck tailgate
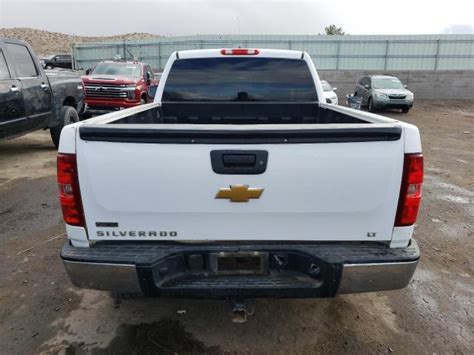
331	191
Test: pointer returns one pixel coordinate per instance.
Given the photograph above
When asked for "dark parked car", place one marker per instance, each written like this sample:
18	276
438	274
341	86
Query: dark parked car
57	61
384	91
32	99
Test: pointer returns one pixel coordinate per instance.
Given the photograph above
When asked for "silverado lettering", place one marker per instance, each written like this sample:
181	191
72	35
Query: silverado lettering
136	234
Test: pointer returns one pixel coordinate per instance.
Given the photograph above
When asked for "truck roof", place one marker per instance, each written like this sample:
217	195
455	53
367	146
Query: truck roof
13	40
135	62
382	76
253	52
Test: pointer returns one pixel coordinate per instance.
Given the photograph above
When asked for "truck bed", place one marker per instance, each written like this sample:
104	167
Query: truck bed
239	123
240	113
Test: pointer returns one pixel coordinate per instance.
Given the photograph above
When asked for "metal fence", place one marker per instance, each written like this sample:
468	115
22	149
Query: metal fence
417	52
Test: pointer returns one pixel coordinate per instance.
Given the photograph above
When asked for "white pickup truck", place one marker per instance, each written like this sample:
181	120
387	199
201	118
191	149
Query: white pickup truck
239	181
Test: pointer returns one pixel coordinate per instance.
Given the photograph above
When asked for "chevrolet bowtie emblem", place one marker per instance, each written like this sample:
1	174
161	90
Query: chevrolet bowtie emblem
239	193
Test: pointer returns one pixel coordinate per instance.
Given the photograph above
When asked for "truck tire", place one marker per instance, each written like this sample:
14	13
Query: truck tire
69	115
370	105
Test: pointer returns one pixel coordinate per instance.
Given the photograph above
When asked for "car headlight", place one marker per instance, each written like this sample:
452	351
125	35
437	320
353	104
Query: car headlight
130	92
381	95
410	96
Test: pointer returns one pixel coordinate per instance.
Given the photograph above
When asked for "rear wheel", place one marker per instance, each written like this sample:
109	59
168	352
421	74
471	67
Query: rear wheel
143	100
405	109
371	105
69	115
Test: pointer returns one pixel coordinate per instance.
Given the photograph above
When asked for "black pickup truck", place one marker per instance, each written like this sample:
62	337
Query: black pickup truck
57	61
31	98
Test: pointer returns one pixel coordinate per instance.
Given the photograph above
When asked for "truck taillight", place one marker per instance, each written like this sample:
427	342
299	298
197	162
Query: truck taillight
410	192
239	51
69	194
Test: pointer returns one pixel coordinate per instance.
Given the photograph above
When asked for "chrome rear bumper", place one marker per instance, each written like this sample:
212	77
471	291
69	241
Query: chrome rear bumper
119	278
379	273
370	277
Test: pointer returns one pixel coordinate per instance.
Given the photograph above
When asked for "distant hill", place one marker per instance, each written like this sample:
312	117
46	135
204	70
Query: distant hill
46	42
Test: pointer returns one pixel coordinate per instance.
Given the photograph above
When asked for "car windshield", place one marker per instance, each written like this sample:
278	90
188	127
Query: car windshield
326	86
120	69
239	79
386	83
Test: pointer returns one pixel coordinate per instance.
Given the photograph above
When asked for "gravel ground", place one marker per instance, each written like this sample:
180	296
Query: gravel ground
40	311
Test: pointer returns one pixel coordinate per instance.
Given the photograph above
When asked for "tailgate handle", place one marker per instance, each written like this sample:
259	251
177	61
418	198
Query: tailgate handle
241	162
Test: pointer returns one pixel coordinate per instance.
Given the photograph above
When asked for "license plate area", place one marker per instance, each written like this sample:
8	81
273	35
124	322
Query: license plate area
242	263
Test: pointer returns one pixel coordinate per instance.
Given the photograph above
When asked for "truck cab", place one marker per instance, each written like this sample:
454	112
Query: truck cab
57	61
113	85
30	98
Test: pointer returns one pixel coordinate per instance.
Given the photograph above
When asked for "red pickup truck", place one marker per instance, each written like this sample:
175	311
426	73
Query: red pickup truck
118	85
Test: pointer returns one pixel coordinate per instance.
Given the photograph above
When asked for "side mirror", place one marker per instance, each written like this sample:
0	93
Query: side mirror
334	89
88	71
405	86
152	91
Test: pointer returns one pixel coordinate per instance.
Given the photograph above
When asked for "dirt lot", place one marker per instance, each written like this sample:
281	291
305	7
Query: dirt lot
41	311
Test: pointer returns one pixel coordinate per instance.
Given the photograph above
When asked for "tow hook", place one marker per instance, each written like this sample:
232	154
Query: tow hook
241	309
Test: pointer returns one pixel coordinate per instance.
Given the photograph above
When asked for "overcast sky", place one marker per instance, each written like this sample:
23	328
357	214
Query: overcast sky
110	17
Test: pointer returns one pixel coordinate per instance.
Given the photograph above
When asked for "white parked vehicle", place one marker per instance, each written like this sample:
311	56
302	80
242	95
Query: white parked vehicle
238	183
329	93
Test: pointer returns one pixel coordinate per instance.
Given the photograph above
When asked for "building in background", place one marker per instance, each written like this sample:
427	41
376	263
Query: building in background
400	52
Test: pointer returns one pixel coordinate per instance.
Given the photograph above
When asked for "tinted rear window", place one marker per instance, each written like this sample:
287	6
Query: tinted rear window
239	79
